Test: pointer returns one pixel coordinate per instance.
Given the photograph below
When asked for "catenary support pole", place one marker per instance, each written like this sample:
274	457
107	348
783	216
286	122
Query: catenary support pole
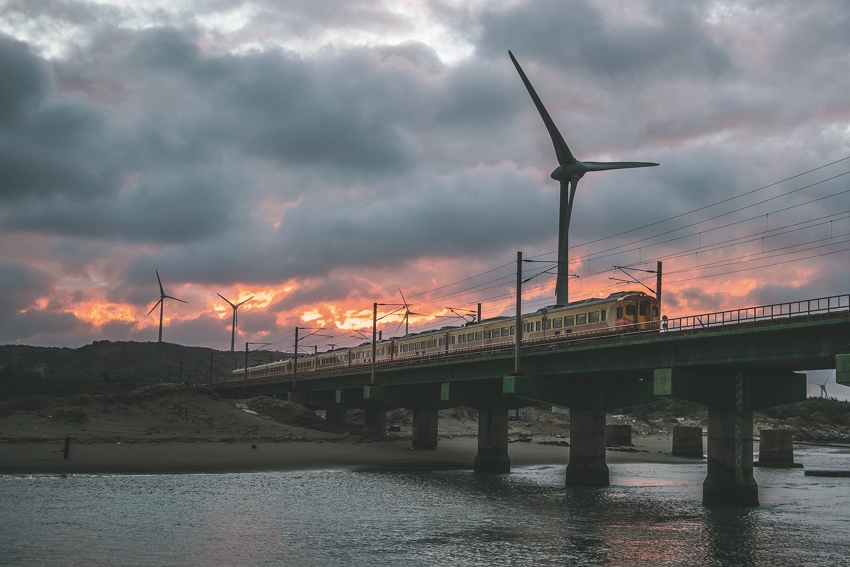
245	376
658	287
518	325
295	361
374	342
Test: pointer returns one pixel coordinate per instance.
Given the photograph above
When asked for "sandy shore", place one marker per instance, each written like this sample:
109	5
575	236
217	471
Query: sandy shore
187	457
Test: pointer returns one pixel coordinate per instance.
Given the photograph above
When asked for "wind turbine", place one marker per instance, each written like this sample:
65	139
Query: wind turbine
233	326
407	313
568	172
161	303
823	393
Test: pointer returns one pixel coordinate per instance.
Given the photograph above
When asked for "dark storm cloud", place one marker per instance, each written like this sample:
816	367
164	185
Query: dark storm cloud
217	156
468	214
574	35
183	208
24	80
21	286
42	327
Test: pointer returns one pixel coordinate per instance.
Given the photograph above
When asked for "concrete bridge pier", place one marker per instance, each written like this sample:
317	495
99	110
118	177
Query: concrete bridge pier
588	400
730	481
492	454
425	429
492	405
374	422
731	397
587	466
335	415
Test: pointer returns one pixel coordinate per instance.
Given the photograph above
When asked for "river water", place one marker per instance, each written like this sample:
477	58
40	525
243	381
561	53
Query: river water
651	515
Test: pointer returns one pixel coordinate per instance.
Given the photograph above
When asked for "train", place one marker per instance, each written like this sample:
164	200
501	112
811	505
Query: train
619	312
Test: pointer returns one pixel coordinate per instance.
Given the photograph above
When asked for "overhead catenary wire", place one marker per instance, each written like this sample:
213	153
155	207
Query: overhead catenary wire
596	254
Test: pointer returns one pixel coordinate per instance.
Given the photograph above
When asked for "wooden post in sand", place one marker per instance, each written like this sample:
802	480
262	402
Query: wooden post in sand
67	449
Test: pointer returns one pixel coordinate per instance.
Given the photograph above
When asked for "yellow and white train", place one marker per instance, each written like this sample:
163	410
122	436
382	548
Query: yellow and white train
619	312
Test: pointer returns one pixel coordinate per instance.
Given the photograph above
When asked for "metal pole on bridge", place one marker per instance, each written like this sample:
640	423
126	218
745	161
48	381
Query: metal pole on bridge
518	324
658	287
374	344
245	377
295	361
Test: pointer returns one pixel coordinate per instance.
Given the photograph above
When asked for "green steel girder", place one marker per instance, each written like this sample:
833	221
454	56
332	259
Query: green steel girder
354	398
415	397
480	394
314	400
842	369
607	394
783	346
716	387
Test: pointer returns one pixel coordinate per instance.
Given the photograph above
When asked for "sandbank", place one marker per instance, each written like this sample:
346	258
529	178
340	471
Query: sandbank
222	457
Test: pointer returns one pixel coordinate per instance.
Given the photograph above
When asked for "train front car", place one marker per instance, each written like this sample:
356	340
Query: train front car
636	311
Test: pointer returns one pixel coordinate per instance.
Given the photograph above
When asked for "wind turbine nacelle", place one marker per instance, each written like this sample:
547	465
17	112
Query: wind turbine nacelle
569	171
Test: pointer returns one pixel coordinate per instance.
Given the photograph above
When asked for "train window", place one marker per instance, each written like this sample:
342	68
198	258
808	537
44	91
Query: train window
619	312
505	329
643	309
604	315
655	311
440	341
556	323
487	334
581	319
479	335
547	324
537	325
569	321
453	339
495	333
630	309
461	338
415	346
593	317
470	337
403	348
431	343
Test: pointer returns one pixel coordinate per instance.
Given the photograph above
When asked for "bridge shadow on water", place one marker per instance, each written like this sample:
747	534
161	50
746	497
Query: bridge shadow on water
531	514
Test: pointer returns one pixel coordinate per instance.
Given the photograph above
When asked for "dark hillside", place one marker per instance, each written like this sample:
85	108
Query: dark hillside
104	365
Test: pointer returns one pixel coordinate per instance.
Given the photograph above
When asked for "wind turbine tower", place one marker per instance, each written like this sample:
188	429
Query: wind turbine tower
161	303
568	172
407	314
235	306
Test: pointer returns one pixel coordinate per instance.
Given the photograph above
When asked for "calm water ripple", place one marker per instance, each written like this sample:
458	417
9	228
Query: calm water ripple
651	515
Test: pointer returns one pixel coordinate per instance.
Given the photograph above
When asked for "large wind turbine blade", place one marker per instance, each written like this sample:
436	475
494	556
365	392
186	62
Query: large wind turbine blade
154	306
159	281
227	300
562	151
604	166
246	301
174	298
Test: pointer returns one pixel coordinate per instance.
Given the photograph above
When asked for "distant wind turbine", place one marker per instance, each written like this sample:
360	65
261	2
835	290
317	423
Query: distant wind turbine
161	303
823	393
235	306
407	314
568	172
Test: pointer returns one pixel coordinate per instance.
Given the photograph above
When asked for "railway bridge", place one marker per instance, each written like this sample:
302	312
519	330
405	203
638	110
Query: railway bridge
732	362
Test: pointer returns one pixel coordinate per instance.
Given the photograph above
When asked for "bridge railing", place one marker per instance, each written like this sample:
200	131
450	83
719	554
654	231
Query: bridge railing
808	309
824	306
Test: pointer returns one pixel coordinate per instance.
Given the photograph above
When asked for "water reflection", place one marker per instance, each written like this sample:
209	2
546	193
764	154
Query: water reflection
651	515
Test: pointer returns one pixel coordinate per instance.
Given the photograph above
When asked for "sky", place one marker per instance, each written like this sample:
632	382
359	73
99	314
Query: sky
323	155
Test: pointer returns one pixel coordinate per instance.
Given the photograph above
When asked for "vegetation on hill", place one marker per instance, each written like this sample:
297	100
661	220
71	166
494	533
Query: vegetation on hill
105	366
